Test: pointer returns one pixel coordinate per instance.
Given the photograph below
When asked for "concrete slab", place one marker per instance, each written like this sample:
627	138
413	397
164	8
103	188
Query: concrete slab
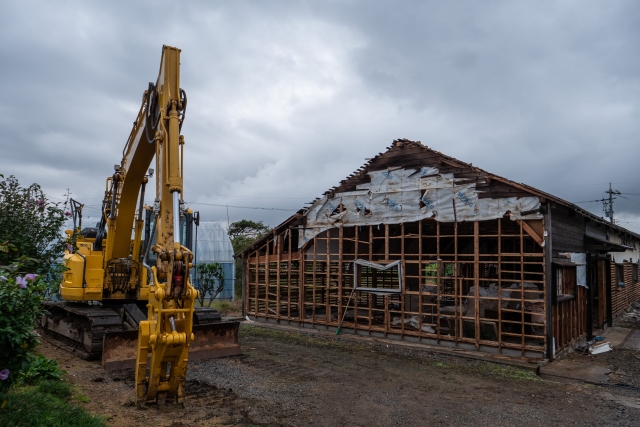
616	336
633	340
577	371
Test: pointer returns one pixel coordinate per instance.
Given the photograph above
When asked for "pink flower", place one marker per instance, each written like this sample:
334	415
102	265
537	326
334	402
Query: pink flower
69	248
22	282
40	202
30	276
4	374
67	213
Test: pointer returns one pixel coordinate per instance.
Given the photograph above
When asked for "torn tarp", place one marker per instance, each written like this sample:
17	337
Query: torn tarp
402	195
580	260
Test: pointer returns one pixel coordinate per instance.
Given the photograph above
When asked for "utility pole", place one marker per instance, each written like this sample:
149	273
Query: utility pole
608	204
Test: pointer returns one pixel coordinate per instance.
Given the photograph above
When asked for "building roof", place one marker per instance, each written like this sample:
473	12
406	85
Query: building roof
406	153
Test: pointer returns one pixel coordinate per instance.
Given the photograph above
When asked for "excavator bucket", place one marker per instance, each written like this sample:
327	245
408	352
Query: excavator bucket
211	340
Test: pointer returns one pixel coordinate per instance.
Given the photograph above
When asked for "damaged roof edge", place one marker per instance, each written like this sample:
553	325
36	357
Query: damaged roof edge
364	169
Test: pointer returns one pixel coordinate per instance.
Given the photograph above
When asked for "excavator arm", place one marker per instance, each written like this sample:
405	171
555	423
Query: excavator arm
113	269
165	336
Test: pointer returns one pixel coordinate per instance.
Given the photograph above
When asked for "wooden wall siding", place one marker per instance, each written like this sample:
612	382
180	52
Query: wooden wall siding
442	263
622	297
568	231
570	320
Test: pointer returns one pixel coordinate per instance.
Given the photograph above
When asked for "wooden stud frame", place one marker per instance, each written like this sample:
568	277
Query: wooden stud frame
488	255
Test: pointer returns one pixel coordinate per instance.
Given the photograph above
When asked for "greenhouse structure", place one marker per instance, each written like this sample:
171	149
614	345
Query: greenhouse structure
213	245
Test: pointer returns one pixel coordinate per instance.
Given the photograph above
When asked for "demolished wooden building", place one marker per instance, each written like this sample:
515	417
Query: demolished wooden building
419	246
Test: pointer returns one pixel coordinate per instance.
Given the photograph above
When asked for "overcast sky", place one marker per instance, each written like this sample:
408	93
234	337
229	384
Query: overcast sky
288	98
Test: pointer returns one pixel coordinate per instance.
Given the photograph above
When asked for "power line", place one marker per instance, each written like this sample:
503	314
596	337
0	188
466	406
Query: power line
242	207
248	197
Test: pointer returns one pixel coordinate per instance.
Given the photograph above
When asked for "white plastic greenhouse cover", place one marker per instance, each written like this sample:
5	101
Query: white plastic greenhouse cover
213	243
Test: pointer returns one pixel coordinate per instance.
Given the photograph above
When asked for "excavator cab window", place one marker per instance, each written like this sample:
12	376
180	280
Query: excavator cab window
186	230
149	236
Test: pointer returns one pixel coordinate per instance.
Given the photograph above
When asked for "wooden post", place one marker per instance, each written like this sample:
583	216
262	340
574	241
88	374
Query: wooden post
522	319
499	284
340	268
355	294
313	284
476	280
369	296
439	277
420	281
278	256
327	284
266	278
404	281
548	279
456	294
290	265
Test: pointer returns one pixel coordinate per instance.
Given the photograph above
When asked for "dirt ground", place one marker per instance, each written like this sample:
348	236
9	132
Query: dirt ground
296	379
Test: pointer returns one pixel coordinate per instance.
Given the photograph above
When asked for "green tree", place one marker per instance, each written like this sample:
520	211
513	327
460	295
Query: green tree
243	234
209	282
30	227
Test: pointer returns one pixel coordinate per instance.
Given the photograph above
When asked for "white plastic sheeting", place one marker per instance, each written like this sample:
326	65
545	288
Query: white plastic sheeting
402	195
214	245
580	260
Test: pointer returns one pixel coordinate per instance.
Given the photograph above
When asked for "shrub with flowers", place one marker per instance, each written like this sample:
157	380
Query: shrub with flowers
30	226
20	296
30	249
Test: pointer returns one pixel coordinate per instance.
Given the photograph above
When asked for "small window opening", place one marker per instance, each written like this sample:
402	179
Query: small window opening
620	275
565	277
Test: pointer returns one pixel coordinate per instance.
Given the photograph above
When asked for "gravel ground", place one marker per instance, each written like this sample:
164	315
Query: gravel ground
297	379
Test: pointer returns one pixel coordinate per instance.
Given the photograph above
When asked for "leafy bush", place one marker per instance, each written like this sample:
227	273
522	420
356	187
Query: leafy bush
30	227
20	297
38	368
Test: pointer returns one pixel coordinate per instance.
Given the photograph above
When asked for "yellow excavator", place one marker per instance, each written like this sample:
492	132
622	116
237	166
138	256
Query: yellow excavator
112	279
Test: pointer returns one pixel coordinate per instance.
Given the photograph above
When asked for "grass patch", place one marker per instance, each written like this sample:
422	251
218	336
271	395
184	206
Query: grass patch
223	306
50	403
511	372
302	339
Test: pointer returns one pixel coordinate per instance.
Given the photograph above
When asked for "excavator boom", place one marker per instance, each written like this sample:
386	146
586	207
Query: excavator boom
123	274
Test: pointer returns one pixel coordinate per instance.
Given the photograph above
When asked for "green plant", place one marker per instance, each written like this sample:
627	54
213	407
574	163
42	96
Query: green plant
49	403
20	298
210	282
38	368
30	227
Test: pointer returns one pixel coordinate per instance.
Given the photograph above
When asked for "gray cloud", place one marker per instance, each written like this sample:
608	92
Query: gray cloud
287	98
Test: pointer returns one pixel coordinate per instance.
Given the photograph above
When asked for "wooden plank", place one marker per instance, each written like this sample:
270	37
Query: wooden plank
278	252
476	280
499	284
538	238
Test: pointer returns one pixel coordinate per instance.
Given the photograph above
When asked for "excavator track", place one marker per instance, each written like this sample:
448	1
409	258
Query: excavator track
79	328
110	333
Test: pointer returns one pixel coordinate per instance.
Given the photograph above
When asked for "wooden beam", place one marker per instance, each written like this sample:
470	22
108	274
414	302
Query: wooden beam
531	232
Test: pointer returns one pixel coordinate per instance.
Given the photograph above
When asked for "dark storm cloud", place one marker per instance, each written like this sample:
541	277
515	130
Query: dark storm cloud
287	98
